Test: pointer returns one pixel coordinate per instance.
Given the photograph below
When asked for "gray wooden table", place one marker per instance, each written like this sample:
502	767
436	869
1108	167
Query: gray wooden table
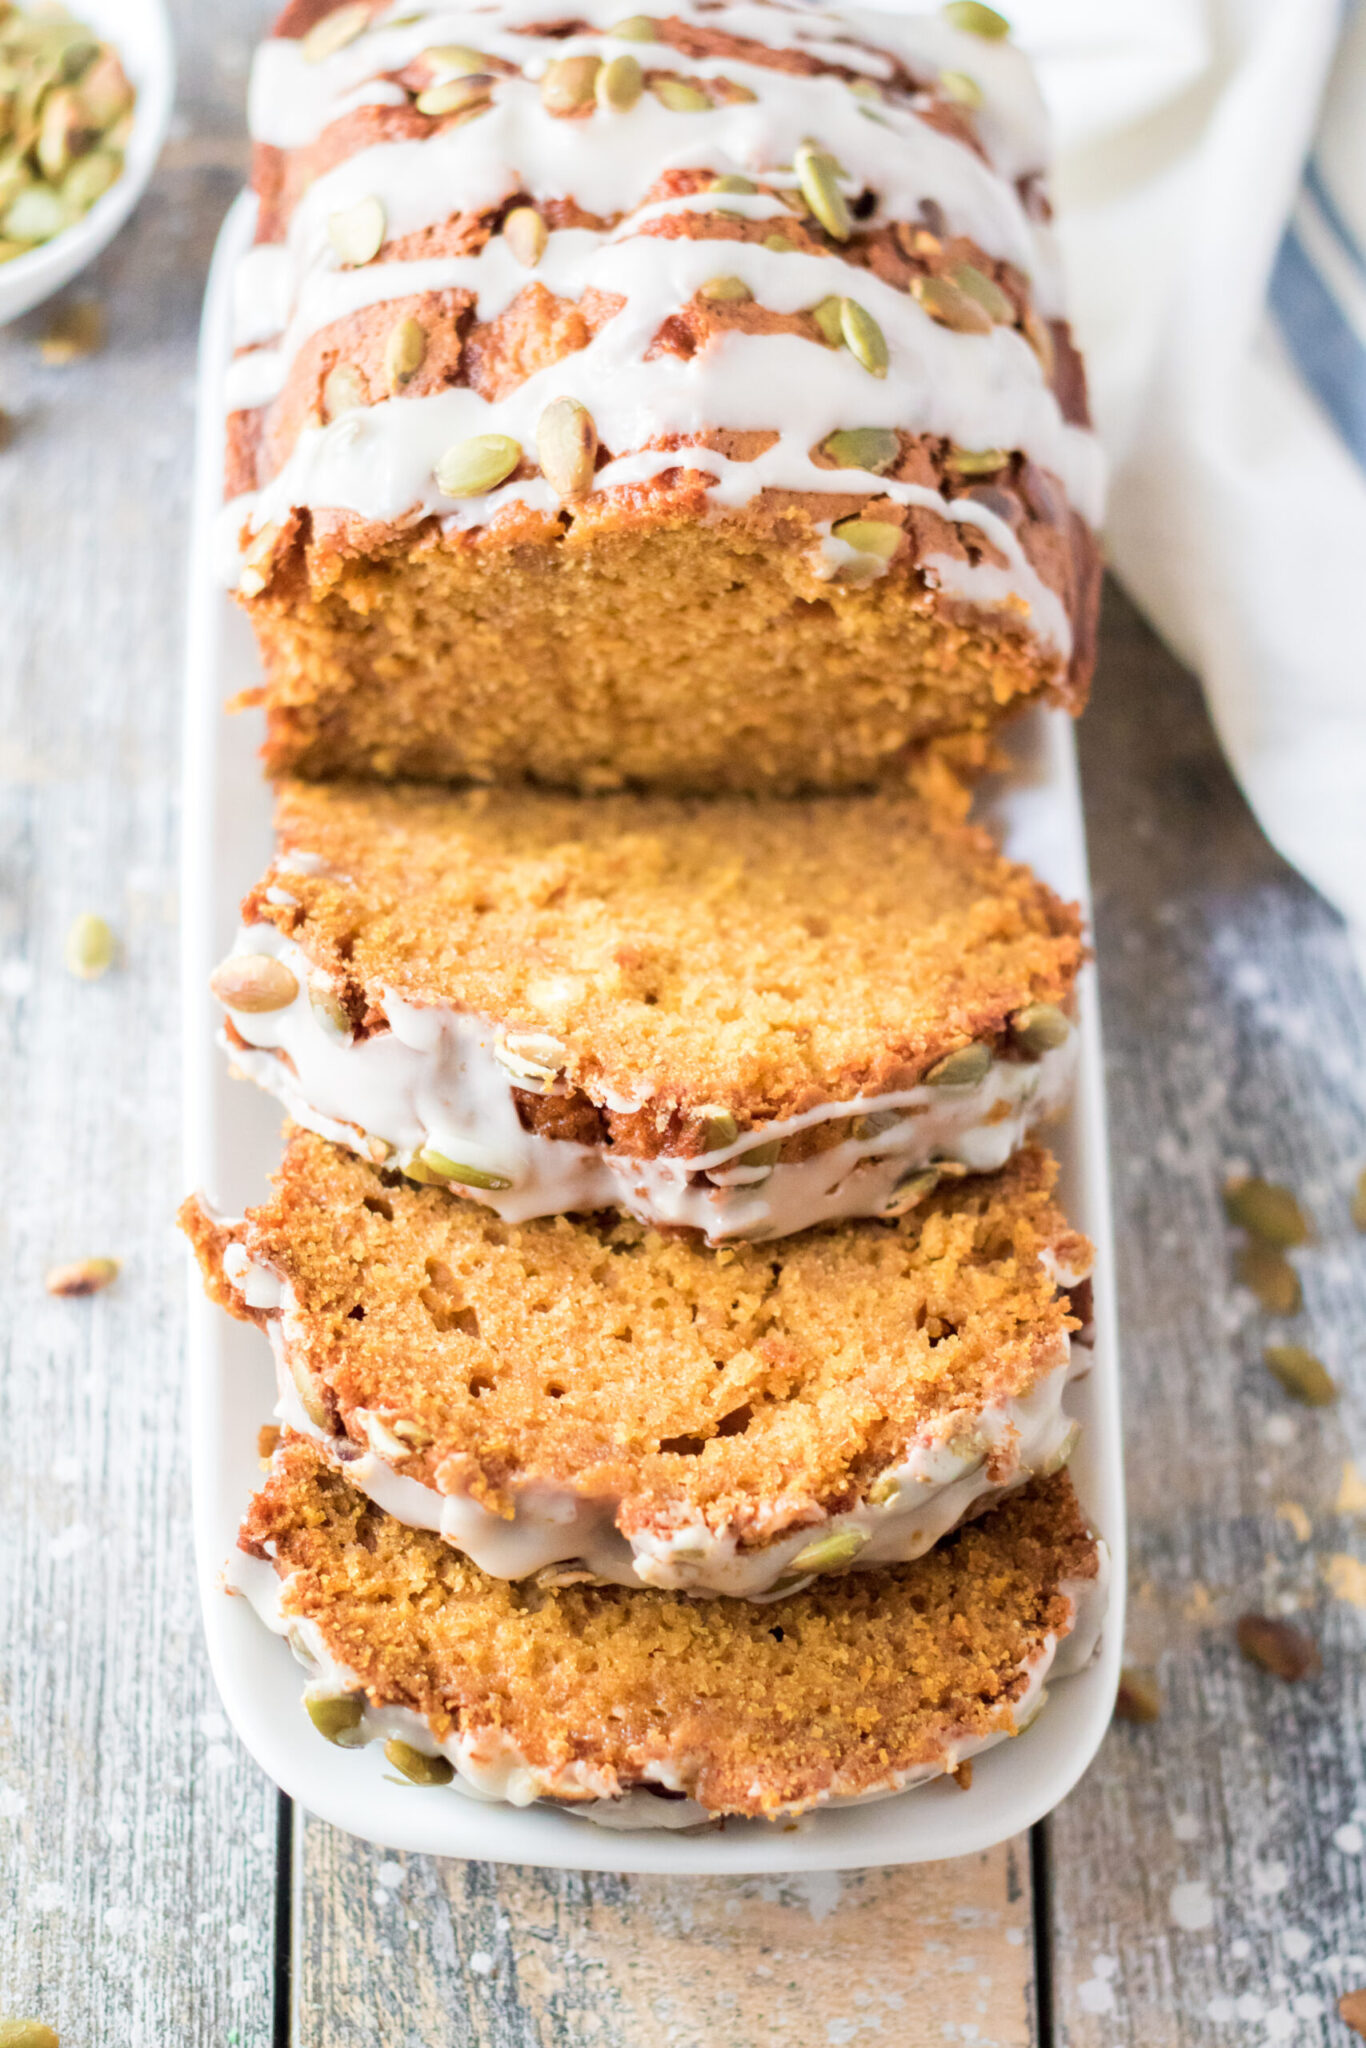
1205	1883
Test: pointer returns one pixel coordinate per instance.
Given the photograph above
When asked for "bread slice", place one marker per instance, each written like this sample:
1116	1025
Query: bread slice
590	1397
739	1017
688	405
857	1688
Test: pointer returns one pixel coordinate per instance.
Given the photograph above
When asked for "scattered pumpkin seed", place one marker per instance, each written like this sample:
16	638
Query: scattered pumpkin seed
334	32
1040	1028
568	84
636	28
1267	1211
404	352
82	1276
1359	1202
679	97
863	337
442	1168
337	1717
827	317
960	87
453	94
985	291
343	390
454	60
75	331
480	464
1269	1275
966	1068
254	983
818	176
567	447
718	1127
526	234
977	20
416	1765
1304	1377
911	1190
732	182
781	245
1279	1647
977	461
620	84
726	291
944	302
17	2033
872	448
89	947
1139	1697
357	232
826	1554
65	119
310	1399
877	537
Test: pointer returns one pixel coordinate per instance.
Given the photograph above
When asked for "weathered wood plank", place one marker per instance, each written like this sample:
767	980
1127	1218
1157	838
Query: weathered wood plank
1236	1033
137	1845
421	1953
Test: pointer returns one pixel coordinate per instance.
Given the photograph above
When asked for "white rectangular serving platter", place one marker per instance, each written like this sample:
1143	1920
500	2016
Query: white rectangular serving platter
232	1142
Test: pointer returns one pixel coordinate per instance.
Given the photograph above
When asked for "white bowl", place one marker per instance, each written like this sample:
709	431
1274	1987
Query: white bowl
140	31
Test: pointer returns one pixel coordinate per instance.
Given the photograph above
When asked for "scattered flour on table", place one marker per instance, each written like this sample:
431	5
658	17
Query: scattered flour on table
1097	1994
390	1874
12	1802
1186	1827
68	1542
1191	1906
1269	1880
1349	1839
481	1962
47	1898
1296	1944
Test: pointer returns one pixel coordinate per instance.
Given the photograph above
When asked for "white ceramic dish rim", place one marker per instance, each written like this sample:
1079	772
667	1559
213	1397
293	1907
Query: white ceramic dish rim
229	1147
140	31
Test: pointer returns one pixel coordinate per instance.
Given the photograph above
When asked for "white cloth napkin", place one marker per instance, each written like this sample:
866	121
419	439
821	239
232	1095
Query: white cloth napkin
1211	194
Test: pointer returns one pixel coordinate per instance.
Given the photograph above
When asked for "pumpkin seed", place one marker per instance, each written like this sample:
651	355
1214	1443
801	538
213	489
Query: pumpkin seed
863	337
568	84
1055	1461
343	391
780	244
966	1068
256	562
36	215
1040	338
328	1007
869	536
413	1434
866	89
416	1765
1359	1202
63	119
337	1717
827	317
985	290
1279	1647
443	1169
480	464
567	446
636	28
911	1190
357	232
90	178
679	97
977	20
16	2033
872	448
310	1400
530	1055
254	983
976	461
619	85
951	308
83	1276
381	1439
526	234
89	947
732	94
453	94
960	87
1266	1211
334	32
1139	1697
818	177
404	352
1040	1028
718	1127
762	1155
453	60
732	183
826	1554
726	290
1304	1377
884	1491
1270	1276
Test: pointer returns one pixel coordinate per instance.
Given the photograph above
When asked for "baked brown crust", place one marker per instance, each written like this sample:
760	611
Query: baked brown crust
752	1710
757	1388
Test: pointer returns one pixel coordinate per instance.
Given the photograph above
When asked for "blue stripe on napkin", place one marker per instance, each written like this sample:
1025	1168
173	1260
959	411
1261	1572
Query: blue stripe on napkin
1327	347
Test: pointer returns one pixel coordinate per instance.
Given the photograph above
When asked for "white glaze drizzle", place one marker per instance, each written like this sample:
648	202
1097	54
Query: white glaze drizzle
378	461
490	1766
433	1080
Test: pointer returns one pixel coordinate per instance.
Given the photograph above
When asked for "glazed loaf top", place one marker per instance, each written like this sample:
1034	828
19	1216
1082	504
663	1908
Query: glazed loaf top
510	263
